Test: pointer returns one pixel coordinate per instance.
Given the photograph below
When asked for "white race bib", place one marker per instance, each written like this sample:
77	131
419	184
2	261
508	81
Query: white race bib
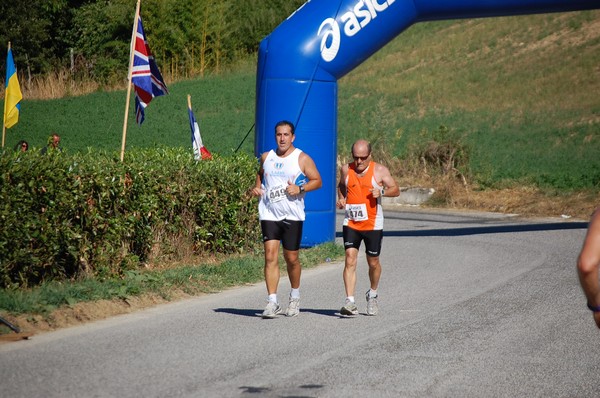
276	194
357	212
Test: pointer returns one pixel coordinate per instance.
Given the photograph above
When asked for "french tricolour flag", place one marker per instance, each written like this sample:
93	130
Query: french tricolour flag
200	151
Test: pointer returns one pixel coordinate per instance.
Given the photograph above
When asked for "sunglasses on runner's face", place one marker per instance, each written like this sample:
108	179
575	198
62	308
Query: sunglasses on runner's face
363	158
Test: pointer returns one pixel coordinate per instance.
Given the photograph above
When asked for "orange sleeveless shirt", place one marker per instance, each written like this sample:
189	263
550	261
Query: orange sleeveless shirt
363	211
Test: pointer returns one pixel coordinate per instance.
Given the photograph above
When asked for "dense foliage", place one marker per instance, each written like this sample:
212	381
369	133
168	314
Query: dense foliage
64	216
188	37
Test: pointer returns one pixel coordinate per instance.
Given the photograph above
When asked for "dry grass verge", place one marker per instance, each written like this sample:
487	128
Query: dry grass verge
524	201
82	313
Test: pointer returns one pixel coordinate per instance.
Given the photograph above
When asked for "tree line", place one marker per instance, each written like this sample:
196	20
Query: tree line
91	38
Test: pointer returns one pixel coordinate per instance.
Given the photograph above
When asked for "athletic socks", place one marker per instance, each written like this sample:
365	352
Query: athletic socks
295	293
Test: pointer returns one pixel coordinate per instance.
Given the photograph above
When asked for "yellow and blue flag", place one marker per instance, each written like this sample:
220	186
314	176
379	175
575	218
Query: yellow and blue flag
12	92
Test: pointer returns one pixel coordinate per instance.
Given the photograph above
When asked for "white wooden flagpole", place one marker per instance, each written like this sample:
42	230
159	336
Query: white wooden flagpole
129	77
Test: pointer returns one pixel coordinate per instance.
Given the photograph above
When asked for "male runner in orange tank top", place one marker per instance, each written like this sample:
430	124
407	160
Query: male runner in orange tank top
361	186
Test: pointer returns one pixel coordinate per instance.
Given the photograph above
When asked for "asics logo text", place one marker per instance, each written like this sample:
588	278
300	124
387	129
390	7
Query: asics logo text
363	12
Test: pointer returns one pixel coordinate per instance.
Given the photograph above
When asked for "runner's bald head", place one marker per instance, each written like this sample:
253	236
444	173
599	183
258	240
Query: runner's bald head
361	146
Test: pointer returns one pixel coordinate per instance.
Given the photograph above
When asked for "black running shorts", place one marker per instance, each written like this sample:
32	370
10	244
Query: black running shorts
287	231
373	239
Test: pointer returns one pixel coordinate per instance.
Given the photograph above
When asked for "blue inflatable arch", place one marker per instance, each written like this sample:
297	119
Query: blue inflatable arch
300	62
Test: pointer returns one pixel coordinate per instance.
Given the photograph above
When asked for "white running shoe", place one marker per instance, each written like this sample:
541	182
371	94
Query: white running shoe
272	310
293	308
349	308
372	306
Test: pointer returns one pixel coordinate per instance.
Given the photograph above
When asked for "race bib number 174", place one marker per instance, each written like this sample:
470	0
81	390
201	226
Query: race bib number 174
356	212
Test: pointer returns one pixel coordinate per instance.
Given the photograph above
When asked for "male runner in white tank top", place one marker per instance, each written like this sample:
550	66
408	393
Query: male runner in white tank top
285	175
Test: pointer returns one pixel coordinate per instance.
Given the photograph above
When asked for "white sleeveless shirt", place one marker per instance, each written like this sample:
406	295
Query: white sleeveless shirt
275	204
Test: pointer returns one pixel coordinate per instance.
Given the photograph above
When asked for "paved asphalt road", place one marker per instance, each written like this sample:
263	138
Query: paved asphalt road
472	305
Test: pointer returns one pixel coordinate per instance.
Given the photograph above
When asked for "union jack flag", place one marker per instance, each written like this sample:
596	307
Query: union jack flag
145	76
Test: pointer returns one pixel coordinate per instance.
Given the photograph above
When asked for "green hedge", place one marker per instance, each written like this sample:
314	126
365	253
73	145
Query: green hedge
64	216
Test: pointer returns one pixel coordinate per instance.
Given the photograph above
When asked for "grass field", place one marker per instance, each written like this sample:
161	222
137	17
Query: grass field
223	106
520	92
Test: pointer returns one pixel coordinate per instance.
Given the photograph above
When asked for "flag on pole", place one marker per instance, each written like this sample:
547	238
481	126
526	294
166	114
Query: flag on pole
145	76
12	92
200	151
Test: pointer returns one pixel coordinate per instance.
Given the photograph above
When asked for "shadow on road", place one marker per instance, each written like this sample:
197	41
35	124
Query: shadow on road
326	312
238	311
263	391
258	312
496	229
